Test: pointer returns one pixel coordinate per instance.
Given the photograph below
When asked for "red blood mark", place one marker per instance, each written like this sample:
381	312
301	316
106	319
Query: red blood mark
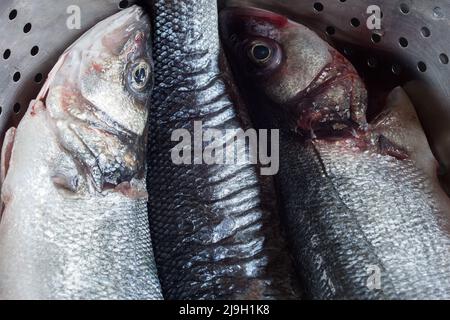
97	67
128	190
69	97
274	19
36	106
338	60
319	111
139	38
244	14
309	118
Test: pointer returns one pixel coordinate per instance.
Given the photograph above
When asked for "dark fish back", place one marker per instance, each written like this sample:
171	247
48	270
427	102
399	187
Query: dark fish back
215	235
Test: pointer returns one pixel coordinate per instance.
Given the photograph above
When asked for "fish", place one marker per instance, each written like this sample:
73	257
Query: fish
363	209
215	227
74	199
316	15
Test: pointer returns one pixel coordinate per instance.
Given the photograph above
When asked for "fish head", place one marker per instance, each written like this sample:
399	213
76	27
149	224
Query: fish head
98	94
110	68
291	71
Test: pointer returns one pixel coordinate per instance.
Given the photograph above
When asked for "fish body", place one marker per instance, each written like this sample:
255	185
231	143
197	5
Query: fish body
215	228
74	197
365	215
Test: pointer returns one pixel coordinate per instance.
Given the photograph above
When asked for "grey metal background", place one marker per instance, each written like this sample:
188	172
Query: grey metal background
430	90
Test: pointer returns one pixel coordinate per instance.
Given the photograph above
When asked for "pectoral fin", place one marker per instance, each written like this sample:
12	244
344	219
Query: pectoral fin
5	158
400	125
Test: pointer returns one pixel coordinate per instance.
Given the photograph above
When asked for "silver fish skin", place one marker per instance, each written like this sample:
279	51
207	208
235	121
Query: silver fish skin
215	228
365	214
75	223
358	218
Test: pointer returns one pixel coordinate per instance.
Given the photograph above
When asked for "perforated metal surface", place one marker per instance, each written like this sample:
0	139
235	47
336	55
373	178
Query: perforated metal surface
32	36
412	48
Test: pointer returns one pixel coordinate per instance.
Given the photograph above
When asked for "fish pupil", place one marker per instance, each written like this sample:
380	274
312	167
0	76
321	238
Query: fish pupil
140	75
261	52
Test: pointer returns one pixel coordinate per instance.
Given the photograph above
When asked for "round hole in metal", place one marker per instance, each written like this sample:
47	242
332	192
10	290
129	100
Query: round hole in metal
13	14
331	30
422	66
123	4
438	13
396	69
372	62
403	42
38	78
318	6
34	51
355	22
27	28
347	51
376	38
425	32
6	54
404	8
444	58
16	76
16	108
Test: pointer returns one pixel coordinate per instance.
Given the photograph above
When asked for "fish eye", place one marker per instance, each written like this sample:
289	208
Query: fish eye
260	56
140	75
260	53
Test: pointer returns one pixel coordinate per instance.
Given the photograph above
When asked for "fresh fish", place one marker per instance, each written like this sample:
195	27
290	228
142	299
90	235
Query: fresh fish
434	120
75	222
215	229
364	211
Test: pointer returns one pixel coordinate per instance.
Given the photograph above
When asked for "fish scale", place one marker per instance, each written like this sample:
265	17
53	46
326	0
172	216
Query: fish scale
402	235
205	246
363	207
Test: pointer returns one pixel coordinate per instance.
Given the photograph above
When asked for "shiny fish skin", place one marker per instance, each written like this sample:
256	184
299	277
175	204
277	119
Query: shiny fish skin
350	211
75	223
357	197
215	233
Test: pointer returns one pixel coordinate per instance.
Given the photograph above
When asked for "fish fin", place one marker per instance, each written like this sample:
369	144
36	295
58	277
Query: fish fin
5	158
399	129
35	106
6	152
400	125
45	88
387	147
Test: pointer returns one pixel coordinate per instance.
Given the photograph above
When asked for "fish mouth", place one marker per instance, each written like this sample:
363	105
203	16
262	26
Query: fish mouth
113	32
333	104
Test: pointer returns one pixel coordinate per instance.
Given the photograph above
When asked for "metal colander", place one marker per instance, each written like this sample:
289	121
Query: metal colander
412	48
